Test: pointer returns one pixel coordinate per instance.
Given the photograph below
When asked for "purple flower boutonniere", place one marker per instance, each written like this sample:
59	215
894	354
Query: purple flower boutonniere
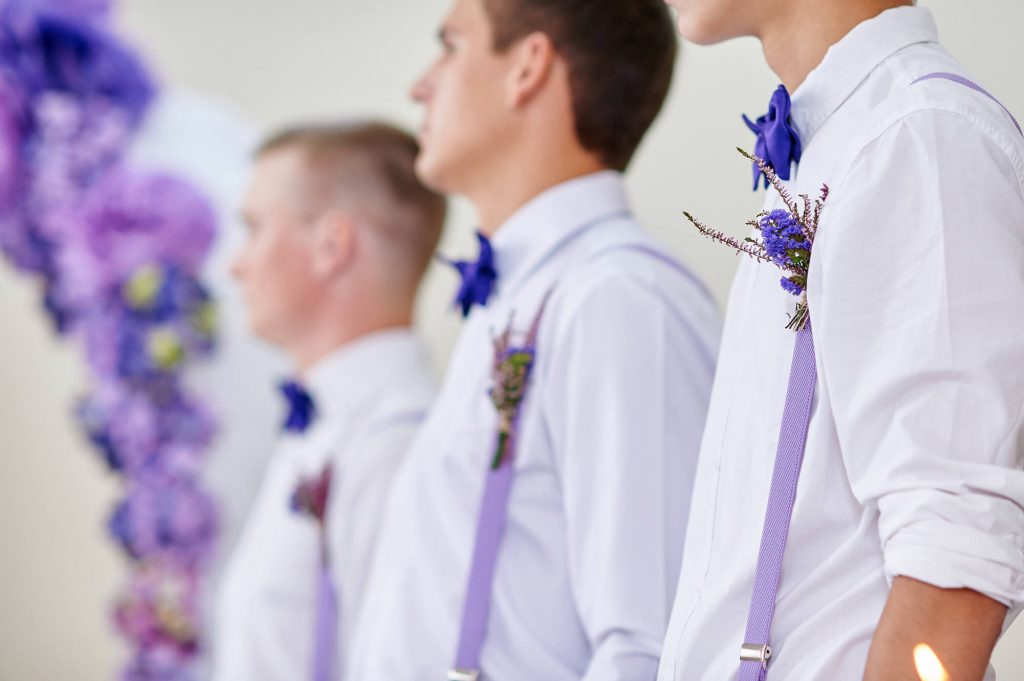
311	495
786	238
510	376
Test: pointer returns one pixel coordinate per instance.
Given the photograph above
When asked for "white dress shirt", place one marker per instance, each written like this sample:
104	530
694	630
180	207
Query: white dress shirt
370	397
916	293
609	434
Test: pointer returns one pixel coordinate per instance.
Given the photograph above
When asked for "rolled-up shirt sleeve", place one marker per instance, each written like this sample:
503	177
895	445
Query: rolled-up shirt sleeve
919	324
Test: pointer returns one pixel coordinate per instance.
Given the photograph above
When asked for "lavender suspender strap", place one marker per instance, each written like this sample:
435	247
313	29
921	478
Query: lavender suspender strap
969	84
326	624
796	416
756	651
489	531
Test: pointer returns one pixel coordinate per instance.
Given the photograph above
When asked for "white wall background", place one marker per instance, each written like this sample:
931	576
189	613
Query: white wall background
275	61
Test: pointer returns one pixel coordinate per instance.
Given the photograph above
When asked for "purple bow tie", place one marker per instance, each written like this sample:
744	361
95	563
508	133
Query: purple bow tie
778	142
478	277
301	409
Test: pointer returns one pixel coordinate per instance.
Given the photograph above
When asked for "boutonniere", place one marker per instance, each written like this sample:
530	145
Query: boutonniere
786	238
310	496
510	375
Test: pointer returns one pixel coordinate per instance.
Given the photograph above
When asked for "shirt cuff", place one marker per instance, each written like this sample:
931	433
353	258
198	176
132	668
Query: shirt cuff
951	556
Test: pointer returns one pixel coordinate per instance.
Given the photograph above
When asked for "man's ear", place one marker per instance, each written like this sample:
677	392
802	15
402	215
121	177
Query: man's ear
533	59
334	243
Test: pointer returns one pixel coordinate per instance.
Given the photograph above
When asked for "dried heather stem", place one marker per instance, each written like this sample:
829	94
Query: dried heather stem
755	251
774	180
531	337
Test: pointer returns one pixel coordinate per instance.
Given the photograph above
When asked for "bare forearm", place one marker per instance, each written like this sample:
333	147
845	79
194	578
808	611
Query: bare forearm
960	625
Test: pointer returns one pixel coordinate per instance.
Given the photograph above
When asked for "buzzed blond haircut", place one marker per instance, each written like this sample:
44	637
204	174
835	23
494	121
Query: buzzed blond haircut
369	167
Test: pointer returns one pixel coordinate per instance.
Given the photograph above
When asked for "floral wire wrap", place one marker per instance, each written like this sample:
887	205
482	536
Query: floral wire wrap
510	376
117	253
786	238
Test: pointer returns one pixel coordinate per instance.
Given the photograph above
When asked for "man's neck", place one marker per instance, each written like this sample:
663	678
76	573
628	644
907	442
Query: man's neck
314	345
796	41
525	179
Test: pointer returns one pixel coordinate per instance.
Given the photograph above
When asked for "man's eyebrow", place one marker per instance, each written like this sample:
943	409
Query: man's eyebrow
444	33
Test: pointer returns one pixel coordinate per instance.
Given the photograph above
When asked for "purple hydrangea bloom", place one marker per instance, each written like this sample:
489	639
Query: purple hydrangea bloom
124	426
71	146
11	136
187	427
118	255
98	9
174	521
144	438
160	663
50	48
158	608
128	222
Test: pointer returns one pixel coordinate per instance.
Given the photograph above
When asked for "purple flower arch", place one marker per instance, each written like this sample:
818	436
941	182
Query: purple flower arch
118	253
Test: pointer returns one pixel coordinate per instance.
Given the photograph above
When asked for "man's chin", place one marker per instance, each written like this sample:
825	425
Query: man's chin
433	174
260	328
698	33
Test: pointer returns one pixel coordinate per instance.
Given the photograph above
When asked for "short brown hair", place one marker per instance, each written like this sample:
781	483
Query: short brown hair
374	163
621	56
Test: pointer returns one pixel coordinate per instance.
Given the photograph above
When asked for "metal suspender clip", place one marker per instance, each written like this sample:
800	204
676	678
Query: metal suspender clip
464	675
755	652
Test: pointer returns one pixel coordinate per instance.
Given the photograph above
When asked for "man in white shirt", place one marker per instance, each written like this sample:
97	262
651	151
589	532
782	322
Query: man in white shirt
908	526
340	234
529	115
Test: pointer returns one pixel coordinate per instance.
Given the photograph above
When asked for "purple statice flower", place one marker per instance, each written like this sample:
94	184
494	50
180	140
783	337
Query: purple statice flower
174	521
792	285
783	237
48	47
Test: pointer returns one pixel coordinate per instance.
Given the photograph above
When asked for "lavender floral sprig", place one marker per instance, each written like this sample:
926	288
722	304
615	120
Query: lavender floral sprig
310	496
510	377
786	238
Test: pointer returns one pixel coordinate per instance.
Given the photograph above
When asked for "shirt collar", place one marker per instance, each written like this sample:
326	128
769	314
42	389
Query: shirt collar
353	373
549	220
852	59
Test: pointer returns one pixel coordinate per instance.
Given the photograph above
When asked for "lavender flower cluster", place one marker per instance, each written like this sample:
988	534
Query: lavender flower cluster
510	377
117	253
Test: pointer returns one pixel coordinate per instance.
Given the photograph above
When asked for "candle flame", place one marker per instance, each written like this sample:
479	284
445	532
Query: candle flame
929	668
